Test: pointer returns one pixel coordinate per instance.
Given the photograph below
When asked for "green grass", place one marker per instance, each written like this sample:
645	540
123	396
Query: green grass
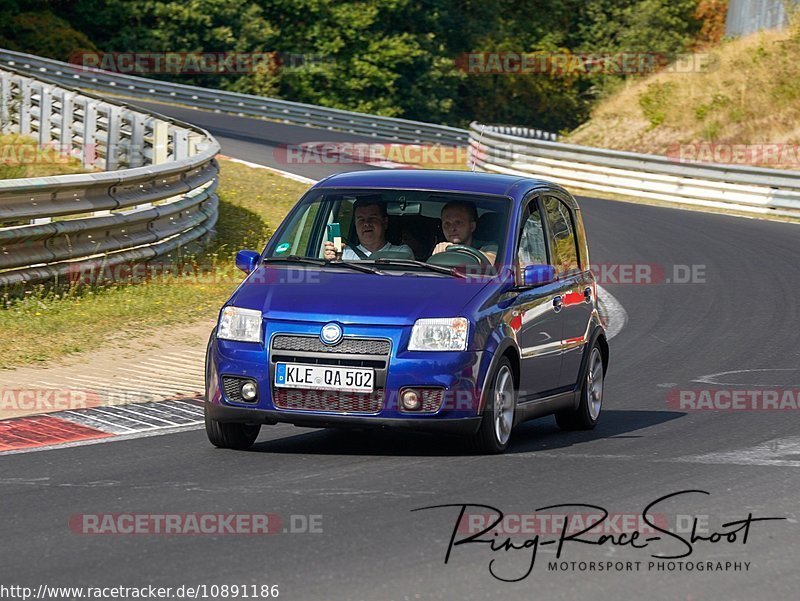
48	323
21	156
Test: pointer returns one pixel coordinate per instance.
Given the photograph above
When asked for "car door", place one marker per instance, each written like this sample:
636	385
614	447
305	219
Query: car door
575	287
540	328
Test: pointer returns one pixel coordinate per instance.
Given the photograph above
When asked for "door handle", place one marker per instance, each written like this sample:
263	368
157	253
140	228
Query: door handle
558	303
587	294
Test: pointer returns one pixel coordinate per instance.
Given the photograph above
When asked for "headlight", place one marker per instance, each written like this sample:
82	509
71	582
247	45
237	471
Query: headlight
240	324
439	335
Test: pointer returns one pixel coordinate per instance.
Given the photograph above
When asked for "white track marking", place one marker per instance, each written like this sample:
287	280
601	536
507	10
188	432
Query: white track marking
126	409
712	378
174	405
81	418
191	406
615	312
286	174
781	452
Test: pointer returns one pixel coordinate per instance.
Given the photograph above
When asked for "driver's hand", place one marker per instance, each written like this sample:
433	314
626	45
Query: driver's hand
441	247
330	250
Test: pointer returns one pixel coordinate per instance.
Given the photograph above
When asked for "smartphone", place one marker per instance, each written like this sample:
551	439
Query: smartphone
335	236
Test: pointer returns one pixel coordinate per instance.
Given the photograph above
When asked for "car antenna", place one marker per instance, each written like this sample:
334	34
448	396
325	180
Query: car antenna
483	129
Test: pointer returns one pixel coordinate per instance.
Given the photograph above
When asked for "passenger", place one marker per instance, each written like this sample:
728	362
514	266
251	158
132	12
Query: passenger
371	225
459	220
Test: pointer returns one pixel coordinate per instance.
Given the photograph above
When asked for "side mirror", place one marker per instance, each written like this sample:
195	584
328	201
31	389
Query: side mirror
537	275
247	260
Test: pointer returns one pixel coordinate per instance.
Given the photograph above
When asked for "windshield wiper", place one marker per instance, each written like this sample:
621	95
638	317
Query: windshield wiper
414	263
324	263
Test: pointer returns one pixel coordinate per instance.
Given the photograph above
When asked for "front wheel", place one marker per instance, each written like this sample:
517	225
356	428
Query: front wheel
498	415
222	434
586	416
231	435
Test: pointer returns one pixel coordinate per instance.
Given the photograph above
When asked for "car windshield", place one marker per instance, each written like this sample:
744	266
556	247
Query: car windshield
399	228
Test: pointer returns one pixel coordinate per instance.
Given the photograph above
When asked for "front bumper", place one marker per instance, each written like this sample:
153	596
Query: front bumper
224	413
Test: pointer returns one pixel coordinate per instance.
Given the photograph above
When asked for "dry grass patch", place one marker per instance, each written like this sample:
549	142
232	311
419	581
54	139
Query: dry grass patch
749	95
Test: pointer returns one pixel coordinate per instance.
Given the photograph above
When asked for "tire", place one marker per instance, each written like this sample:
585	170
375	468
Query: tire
231	435
586	416
227	435
494	433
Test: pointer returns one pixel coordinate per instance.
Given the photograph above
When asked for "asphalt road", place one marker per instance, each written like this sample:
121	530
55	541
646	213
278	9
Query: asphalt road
742	315
264	142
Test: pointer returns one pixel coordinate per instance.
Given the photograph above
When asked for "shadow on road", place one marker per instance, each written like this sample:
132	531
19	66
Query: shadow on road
537	435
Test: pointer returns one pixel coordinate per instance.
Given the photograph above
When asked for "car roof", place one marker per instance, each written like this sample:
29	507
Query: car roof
441	181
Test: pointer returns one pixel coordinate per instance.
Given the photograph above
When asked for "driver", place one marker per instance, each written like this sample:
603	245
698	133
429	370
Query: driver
459	220
371	225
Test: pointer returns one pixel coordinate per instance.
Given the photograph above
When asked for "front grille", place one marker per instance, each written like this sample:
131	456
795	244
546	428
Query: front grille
375	364
233	389
348	346
432	400
336	401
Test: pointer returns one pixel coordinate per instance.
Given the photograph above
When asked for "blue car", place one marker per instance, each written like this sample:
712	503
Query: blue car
448	302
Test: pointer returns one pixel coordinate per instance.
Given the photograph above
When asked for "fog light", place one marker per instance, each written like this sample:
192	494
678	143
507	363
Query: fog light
411	400
249	391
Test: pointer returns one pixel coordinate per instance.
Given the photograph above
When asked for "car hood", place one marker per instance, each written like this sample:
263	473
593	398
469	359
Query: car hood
397	298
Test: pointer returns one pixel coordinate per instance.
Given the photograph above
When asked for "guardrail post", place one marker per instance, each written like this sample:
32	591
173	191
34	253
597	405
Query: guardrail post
5	102
45	115
89	149
160	142
180	144
25	107
67	115
113	140
136	150
194	141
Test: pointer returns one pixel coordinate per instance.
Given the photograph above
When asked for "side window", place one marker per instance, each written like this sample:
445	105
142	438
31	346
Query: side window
565	245
532	249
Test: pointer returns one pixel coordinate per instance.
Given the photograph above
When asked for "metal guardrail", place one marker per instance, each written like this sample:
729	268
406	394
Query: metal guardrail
157	191
749	189
748	16
296	113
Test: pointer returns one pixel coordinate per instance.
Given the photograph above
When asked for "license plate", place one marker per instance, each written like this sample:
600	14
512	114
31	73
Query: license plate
324	377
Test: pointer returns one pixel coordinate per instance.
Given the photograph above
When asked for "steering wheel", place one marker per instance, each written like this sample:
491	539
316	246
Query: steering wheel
471	252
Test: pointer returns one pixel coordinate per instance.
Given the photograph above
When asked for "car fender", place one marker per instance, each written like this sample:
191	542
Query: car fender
501	339
597	333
